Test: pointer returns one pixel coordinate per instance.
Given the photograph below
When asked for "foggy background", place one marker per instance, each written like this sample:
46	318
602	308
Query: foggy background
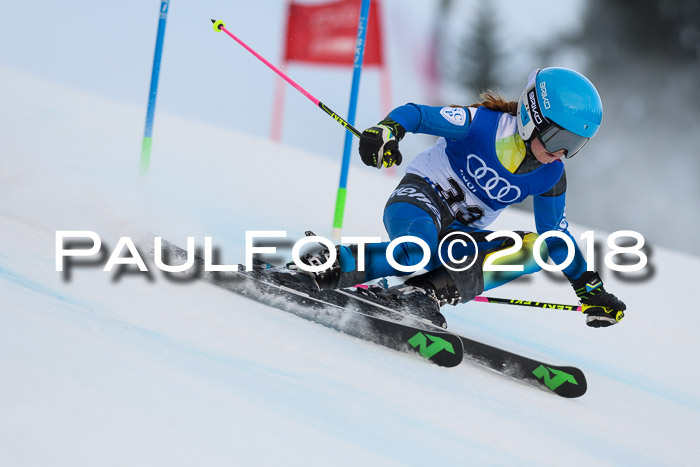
639	173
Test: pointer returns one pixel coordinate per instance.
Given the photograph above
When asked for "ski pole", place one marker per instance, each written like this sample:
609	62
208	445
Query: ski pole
507	301
220	26
617	314
152	93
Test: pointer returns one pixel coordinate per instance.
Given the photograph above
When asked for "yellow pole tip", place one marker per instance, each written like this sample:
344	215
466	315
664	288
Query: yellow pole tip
218	25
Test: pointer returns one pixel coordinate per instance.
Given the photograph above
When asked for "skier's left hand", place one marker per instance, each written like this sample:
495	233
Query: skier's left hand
601	308
379	145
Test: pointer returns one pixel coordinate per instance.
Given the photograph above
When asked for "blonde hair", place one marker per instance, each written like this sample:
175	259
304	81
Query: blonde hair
493	101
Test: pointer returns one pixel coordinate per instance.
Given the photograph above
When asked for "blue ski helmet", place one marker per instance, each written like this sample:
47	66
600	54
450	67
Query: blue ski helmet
561	107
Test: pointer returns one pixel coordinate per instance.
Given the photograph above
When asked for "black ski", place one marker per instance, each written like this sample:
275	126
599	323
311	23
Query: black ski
434	344
565	381
351	313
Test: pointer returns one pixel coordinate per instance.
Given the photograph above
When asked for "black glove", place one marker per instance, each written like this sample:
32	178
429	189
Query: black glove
602	308
379	145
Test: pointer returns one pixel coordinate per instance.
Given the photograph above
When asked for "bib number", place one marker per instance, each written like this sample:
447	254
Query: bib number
454	197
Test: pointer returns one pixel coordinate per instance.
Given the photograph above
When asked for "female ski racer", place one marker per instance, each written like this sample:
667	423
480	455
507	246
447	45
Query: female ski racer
488	156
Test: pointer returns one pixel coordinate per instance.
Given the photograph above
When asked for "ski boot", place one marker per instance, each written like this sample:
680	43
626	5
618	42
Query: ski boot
333	277
420	296
407	299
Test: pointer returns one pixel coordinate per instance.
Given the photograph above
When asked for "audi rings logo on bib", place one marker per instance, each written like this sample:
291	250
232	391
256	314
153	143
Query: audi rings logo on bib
496	187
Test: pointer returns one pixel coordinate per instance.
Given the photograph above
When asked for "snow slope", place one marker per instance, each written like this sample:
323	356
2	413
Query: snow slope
106	369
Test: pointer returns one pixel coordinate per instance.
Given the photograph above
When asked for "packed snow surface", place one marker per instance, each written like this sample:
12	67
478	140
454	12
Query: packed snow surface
100	368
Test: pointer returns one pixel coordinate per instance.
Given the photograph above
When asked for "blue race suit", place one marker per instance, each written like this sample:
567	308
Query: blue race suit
478	166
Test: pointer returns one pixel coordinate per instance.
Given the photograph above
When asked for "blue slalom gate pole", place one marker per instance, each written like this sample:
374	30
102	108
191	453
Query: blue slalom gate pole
148	132
357	70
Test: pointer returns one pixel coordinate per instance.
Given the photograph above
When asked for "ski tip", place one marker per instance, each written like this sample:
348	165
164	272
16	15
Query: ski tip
569	382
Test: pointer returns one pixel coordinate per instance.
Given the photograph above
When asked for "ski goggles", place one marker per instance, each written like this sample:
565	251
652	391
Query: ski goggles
555	138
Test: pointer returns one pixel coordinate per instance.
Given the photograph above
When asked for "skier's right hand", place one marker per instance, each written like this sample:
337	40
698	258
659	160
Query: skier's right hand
602	309
379	145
